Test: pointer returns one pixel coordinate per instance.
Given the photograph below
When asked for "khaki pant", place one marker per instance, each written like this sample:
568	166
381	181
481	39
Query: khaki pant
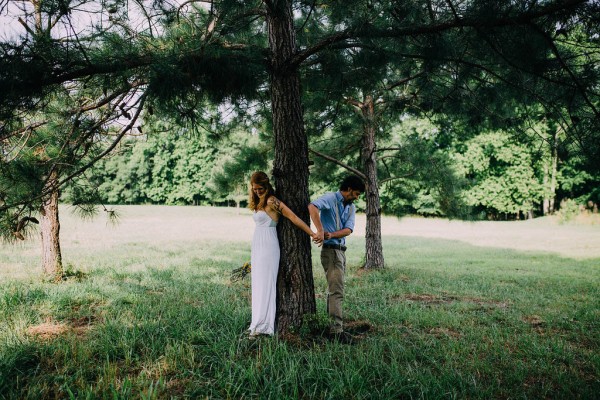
334	264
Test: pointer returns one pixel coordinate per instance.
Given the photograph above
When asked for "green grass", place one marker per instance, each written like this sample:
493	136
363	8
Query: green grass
160	319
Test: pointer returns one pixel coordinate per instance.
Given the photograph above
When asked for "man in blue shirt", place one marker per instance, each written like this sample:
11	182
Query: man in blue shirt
333	215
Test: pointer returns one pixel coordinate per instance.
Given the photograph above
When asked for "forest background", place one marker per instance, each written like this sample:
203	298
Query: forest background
502	175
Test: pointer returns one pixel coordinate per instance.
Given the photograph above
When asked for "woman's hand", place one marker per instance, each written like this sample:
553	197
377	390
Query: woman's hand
317	238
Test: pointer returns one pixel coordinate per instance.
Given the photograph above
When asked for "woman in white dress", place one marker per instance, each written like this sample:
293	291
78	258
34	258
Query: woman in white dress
265	251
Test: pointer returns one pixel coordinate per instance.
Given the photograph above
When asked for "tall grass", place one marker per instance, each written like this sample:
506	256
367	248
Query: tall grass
159	319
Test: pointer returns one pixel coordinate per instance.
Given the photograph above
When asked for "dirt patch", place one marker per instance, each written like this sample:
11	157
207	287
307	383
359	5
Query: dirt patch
81	325
177	387
424	298
50	329
441	332
358	327
47	330
318	335
297	340
534	320
447	299
485	302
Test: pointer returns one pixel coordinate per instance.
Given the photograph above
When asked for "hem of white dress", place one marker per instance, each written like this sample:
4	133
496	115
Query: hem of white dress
256	332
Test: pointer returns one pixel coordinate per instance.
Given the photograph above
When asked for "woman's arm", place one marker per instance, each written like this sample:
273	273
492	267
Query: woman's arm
279	207
316	219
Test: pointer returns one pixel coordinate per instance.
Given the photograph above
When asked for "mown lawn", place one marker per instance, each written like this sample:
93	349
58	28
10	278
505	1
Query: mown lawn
151	316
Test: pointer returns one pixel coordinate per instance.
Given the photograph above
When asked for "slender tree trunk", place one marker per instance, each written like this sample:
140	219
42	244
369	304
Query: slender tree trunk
553	173
374	246
295	285
546	201
550	176
50	229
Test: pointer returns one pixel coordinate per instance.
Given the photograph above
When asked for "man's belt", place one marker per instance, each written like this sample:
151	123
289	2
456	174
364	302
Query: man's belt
334	246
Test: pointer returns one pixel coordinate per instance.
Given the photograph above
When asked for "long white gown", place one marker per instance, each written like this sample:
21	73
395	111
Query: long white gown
265	265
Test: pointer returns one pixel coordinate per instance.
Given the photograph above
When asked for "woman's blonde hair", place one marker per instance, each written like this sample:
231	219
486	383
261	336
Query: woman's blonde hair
254	202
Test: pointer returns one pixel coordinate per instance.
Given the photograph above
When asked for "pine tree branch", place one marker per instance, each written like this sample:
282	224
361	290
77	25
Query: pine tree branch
369	31
21	130
356	105
456	17
562	62
25	140
387	149
27	28
141	101
403	81
338	162
393	178
48	189
312	8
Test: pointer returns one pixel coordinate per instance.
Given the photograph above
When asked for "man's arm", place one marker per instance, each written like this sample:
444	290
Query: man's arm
346	230
338	234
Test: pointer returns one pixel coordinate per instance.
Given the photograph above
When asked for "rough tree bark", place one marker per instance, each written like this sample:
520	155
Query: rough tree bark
50	230
374	247
295	285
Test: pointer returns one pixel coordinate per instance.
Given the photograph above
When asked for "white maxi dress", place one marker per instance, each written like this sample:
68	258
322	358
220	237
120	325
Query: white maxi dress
265	265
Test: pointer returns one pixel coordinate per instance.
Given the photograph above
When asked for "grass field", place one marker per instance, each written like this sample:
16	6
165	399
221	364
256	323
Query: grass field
462	310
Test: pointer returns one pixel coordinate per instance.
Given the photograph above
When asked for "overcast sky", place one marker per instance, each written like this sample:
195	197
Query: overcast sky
79	20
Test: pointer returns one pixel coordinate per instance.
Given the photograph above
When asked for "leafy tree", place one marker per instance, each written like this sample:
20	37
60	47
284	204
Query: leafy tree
502	175
49	135
44	151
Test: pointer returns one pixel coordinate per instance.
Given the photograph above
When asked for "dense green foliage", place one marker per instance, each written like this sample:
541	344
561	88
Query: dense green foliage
163	168
497	173
174	165
502	172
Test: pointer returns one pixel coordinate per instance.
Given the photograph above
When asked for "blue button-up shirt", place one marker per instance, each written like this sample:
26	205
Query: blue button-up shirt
326	204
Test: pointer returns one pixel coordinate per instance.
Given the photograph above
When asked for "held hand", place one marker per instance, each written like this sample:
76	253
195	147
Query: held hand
315	238
327	235
318	238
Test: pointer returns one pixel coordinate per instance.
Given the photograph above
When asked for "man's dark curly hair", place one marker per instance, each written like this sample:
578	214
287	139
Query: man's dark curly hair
352	182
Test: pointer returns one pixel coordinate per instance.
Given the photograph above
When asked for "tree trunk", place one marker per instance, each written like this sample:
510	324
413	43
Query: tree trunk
50	229
546	201
553	173
550	175
373	243
295	285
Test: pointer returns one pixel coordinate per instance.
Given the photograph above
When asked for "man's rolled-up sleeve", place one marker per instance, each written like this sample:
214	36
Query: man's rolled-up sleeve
350	222
322	202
